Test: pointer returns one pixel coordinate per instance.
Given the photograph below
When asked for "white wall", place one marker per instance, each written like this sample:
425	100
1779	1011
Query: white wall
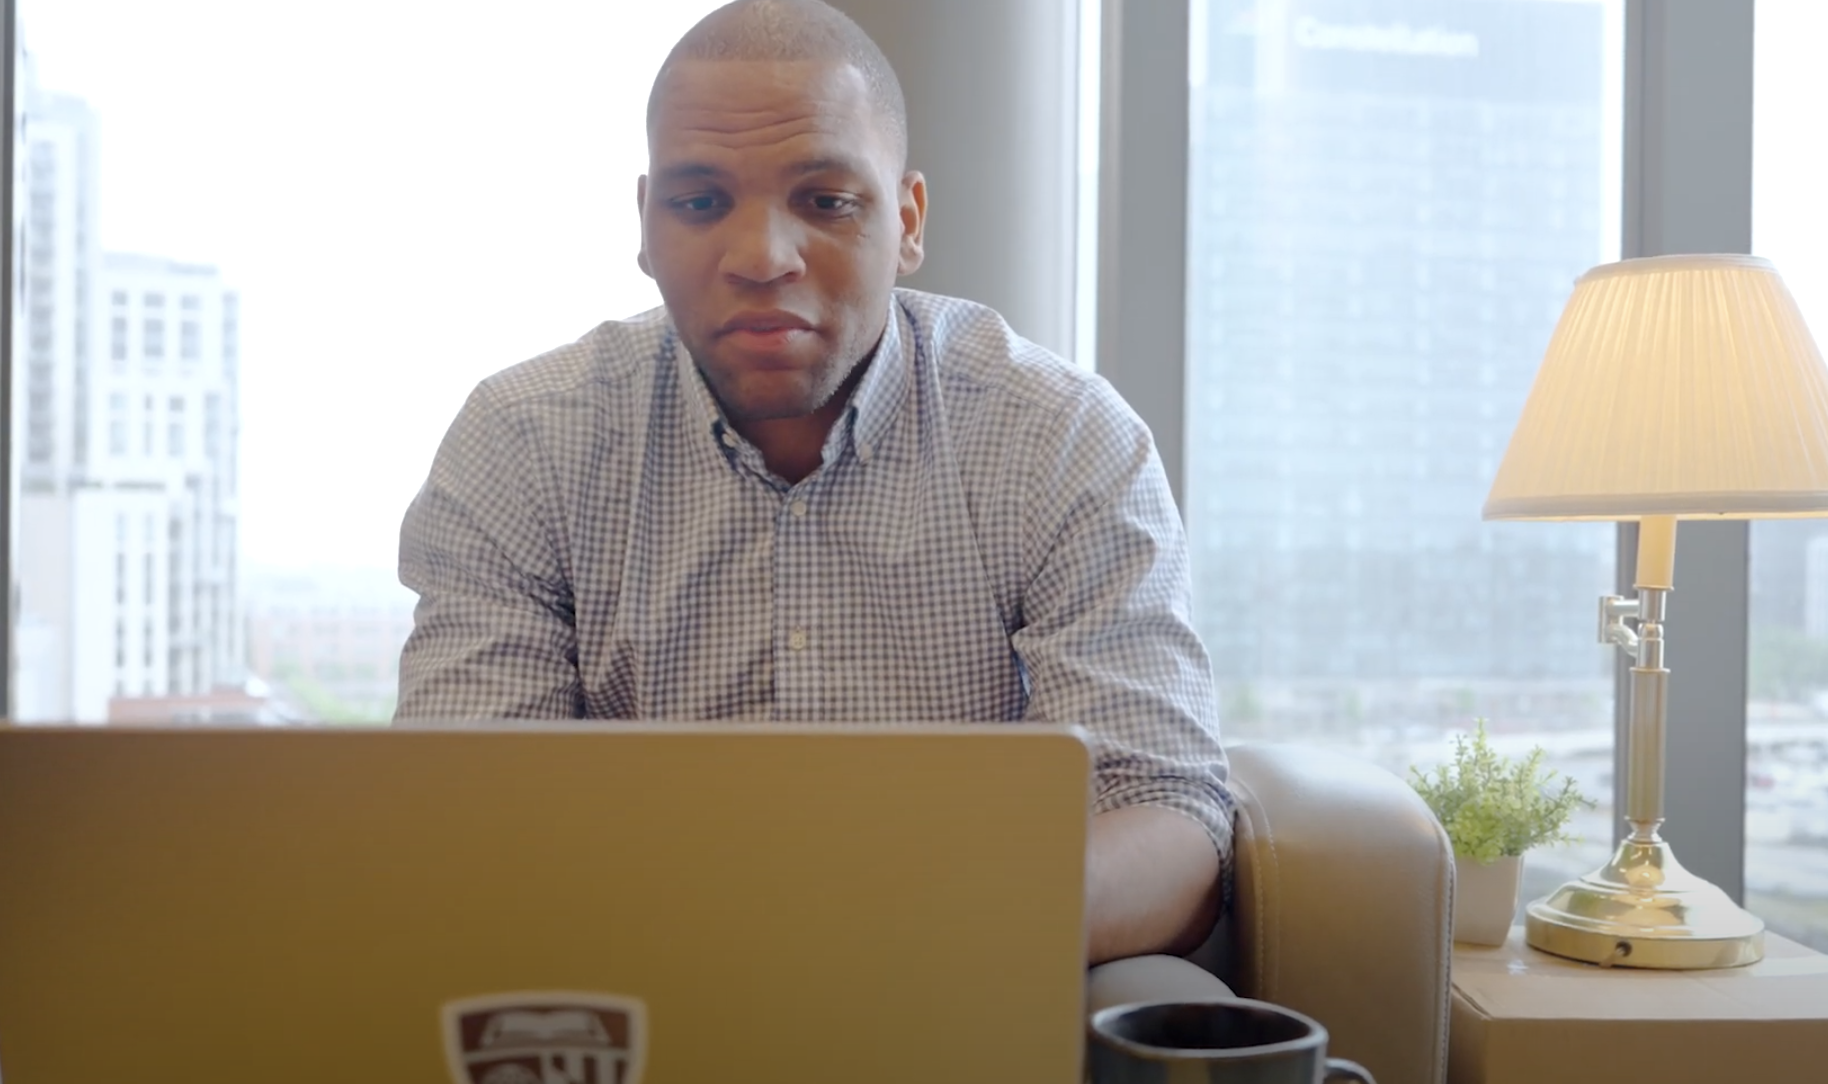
992	92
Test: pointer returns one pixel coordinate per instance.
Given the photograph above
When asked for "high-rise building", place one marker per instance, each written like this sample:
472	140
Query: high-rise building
1815	588
1782	556
59	258
128	484
1390	202
167	405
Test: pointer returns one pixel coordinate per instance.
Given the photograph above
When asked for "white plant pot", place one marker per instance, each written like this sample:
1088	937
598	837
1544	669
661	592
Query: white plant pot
1485	899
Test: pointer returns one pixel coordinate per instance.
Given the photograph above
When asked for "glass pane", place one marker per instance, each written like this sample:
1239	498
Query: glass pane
1786	856
268	251
1390	202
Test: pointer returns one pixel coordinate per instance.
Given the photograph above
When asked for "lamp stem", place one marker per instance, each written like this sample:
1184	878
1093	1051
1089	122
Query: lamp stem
1642	909
1649	689
1649	680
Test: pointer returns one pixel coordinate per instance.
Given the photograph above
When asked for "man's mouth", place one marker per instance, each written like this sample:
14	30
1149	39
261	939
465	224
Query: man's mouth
762	322
770	330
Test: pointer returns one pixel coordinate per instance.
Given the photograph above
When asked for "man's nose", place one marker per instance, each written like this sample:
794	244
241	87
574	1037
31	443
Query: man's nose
763	246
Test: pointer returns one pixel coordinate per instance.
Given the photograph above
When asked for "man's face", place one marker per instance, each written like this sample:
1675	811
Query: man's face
775	219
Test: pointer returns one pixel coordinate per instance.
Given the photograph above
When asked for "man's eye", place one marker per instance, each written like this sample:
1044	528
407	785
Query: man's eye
697	205
830	203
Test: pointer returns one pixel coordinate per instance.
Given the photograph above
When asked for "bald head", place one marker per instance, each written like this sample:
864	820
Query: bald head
792	31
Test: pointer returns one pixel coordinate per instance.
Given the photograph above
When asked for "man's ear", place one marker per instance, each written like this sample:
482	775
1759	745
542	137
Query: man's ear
641	210
913	222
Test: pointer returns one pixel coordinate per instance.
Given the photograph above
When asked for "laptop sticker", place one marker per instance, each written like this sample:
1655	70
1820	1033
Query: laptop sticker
546	1038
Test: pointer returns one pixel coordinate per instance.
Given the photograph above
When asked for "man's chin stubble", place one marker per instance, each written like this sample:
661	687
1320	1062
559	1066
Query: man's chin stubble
740	408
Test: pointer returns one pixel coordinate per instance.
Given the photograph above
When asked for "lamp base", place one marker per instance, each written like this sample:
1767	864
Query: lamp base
1642	909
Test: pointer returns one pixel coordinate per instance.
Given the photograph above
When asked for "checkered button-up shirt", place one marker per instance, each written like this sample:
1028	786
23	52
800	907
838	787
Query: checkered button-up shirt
990	537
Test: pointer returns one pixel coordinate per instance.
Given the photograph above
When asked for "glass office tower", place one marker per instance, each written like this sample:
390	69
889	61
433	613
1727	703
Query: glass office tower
1389	203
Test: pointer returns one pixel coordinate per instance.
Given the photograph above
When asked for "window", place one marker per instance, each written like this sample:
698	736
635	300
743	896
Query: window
1381	234
212	424
231	331
359	339
1786	846
117	424
175	424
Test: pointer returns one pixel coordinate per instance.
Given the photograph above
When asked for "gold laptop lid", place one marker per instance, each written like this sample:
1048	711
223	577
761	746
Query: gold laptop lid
601	904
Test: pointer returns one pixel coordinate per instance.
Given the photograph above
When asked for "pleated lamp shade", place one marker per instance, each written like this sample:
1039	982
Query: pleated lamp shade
1680	386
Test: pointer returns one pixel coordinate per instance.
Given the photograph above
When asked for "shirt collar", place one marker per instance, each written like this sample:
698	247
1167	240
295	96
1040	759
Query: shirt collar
701	406
864	423
880	393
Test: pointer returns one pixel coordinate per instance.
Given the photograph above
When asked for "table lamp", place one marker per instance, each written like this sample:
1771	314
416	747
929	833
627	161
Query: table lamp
1674	387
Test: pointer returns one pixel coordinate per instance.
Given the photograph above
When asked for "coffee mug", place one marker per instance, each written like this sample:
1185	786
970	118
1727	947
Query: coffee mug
1231	1041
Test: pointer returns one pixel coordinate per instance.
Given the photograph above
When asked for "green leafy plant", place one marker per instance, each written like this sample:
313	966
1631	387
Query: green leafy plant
1493	806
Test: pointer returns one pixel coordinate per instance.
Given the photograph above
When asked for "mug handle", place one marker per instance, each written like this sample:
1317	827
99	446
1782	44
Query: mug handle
1339	1069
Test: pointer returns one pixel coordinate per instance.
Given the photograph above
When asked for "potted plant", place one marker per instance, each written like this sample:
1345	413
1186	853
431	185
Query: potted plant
1494	809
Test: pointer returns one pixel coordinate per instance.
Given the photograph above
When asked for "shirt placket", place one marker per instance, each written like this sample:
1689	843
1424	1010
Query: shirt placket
799	630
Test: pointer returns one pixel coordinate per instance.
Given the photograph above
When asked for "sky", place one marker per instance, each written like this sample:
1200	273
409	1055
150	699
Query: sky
1789	167
411	195
408	195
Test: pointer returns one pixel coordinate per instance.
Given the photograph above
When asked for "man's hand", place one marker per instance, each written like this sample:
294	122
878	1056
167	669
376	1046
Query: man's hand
1152	883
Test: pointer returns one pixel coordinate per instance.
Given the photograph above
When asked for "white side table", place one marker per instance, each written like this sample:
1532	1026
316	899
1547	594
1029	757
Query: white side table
1524	1017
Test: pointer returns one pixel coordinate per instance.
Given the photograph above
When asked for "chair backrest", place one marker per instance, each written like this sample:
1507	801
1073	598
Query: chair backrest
1342	906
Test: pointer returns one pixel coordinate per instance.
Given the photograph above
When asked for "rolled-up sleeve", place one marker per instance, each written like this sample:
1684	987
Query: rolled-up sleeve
494	632
1107	637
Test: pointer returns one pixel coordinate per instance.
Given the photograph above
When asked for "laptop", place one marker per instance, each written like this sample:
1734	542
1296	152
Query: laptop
542	904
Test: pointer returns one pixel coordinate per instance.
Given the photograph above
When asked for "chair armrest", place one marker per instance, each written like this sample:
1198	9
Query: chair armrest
1341	906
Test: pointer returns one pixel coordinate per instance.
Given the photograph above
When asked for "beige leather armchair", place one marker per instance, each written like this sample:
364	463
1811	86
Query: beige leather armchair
1342	907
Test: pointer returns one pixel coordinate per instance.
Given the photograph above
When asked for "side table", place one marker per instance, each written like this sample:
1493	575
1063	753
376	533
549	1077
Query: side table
1524	1017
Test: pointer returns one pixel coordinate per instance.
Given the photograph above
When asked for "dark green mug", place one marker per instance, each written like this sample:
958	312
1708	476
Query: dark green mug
1229	1041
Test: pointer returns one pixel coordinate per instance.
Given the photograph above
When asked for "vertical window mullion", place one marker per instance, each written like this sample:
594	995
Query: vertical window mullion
1142	218
1688	188
9	498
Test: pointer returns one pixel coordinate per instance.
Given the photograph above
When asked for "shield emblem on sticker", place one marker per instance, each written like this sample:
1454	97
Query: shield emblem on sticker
546	1038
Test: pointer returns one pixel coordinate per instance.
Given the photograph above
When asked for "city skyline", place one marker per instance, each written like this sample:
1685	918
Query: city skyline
340	414
397	238
127	566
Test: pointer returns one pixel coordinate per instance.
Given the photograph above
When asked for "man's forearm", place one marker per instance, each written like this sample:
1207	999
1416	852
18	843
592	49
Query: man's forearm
1152	883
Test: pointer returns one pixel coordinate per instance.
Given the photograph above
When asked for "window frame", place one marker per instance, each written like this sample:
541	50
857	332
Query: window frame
1686	187
9	302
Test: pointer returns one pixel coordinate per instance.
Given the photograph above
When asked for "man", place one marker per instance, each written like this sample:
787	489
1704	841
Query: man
798	493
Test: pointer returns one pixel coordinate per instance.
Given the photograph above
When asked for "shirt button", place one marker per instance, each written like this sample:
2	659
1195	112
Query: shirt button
729	439
797	639
864	451
798	508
